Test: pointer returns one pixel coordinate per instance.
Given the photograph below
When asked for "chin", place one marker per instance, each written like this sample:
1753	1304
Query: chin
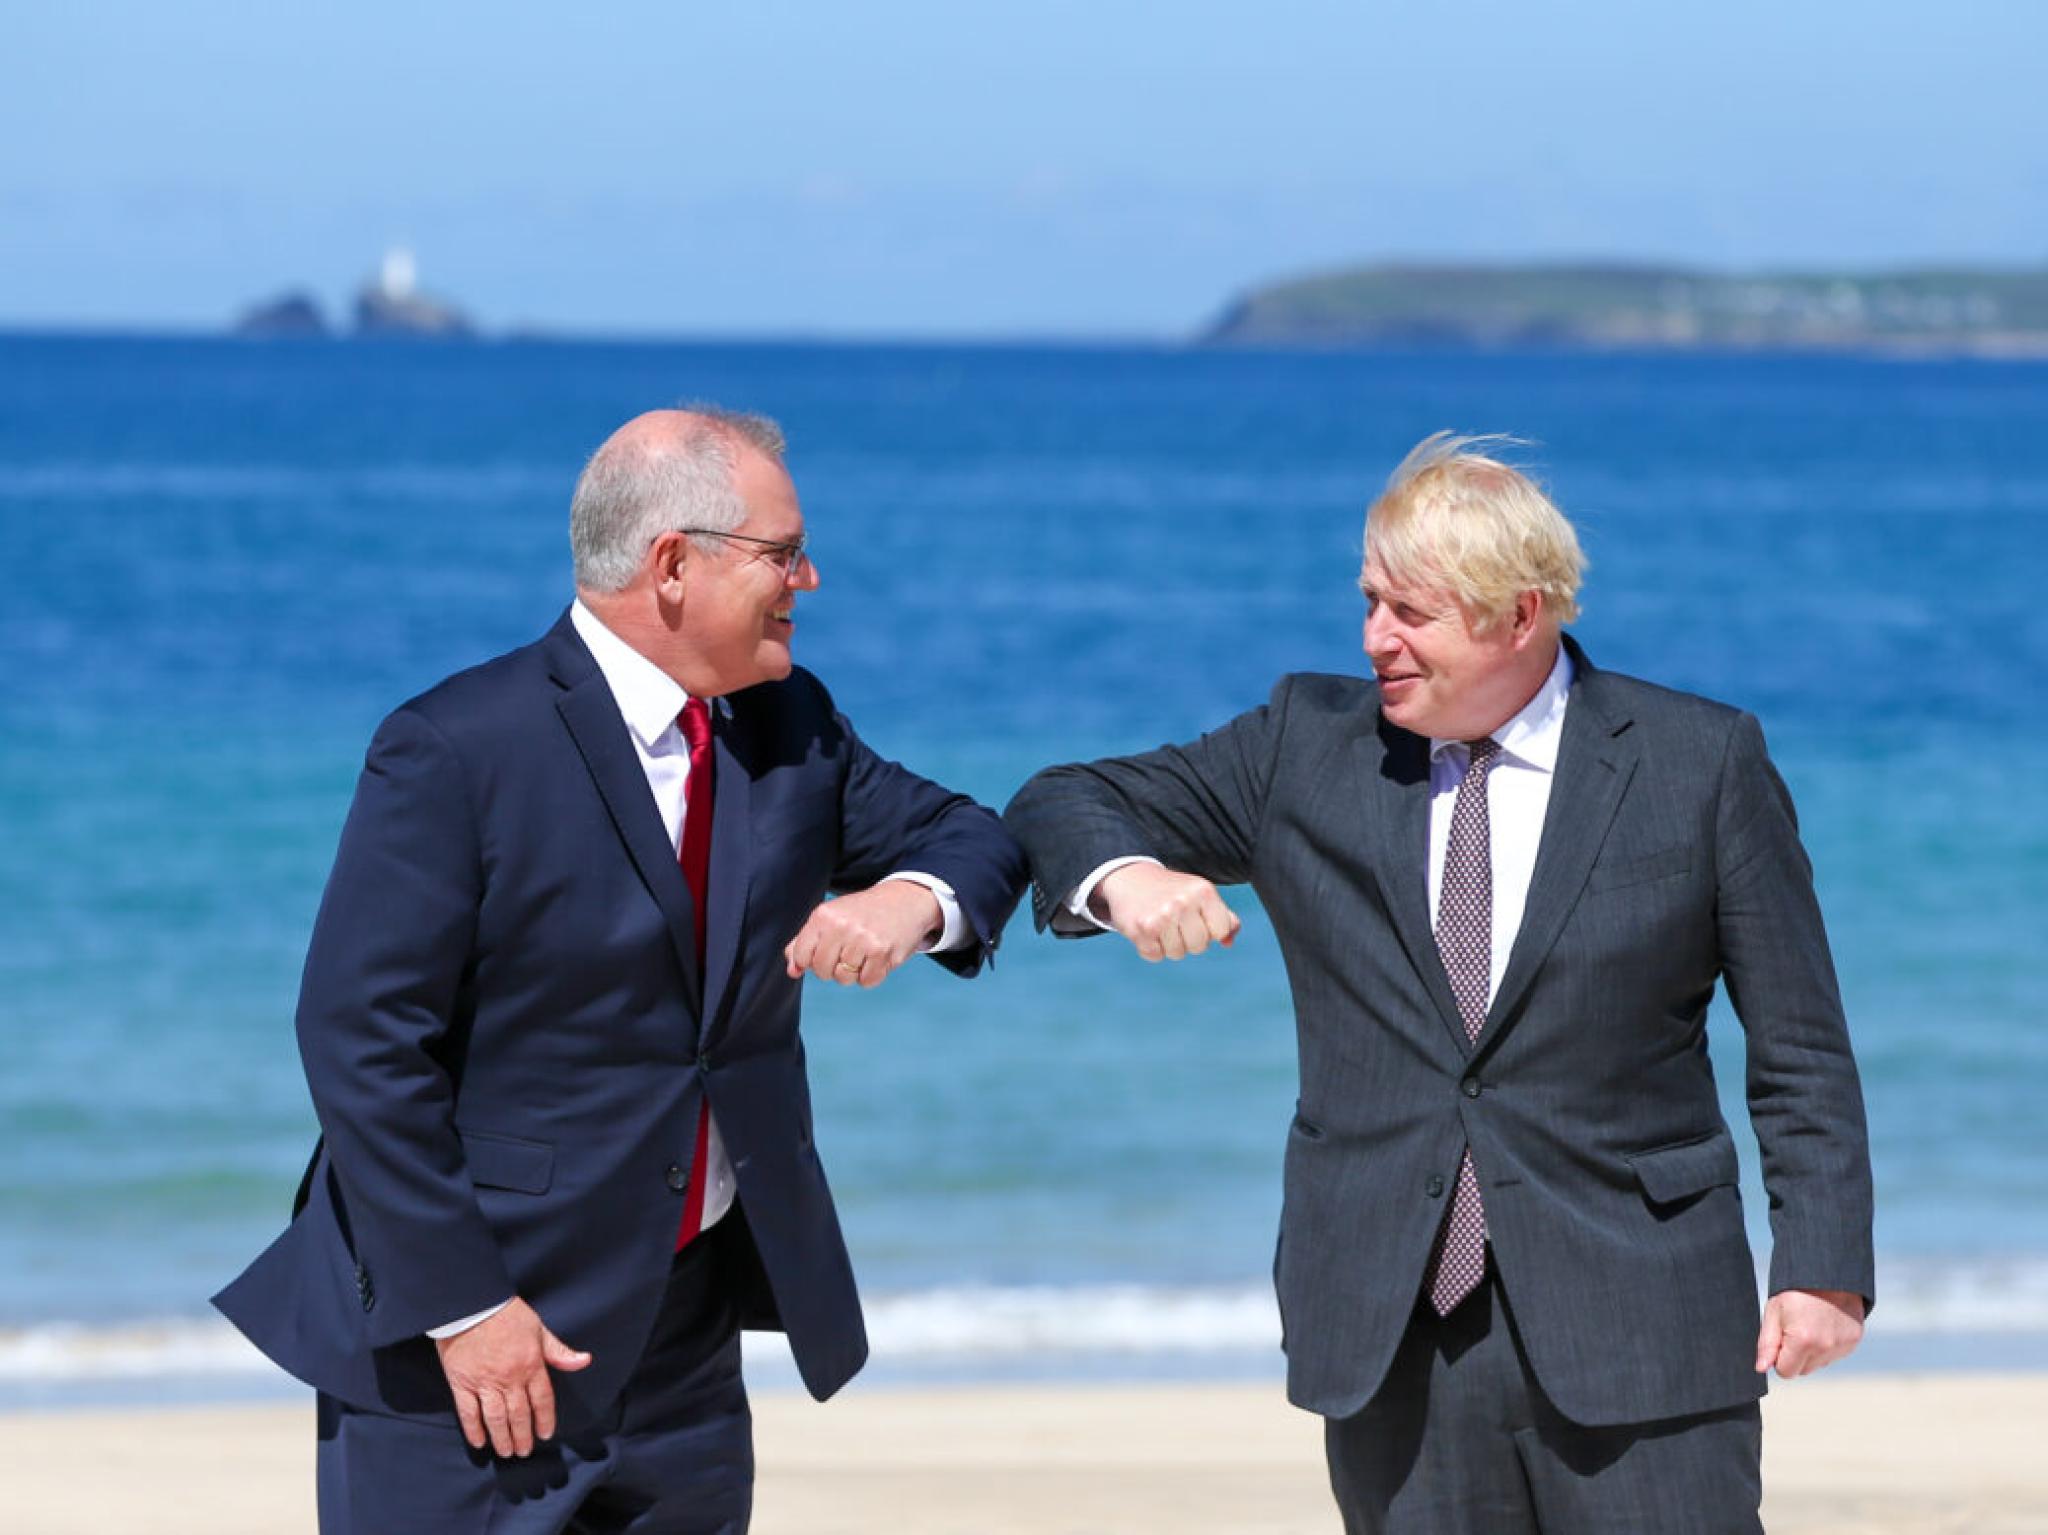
1418	722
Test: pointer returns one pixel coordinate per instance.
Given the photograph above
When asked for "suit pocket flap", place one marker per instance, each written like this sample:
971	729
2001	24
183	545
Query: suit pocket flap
1612	875
507	1162
1671	1173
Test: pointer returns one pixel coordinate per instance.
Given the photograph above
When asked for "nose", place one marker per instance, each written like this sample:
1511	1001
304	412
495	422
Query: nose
1378	636
804	574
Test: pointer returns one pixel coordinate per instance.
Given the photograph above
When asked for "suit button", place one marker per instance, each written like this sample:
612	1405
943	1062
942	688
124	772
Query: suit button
1469	1087
704	1060
677	1178
1436	1187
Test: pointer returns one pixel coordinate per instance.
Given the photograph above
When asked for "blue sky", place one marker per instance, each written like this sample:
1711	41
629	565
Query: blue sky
912	168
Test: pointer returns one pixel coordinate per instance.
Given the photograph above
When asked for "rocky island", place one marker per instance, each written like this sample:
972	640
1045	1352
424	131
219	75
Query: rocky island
295	315
390	304
1983	312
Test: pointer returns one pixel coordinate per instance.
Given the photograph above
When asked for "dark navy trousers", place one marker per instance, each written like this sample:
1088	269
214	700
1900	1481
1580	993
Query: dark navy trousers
676	1456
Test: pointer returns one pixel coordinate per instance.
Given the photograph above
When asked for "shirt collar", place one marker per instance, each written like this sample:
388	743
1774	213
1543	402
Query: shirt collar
1533	735
647	696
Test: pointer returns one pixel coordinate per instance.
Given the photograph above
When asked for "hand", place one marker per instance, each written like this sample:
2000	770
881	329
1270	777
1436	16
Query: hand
498	1371
858	939
1807	1330
1164	913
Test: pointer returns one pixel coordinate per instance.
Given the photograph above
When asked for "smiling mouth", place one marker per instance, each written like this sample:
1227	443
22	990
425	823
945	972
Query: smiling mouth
784	616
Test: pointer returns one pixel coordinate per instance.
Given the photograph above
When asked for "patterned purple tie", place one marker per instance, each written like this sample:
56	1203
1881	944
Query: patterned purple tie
1464	937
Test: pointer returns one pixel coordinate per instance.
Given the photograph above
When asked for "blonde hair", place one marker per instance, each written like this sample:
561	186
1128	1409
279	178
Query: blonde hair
1452	516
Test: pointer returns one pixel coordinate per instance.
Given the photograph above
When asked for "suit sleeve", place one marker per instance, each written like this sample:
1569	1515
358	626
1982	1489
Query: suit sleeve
891	819
1805	1100
1196	808
389	954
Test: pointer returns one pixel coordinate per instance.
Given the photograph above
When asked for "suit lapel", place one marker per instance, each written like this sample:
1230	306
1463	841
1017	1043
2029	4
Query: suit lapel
732	862
592	717
1399	779
1595	760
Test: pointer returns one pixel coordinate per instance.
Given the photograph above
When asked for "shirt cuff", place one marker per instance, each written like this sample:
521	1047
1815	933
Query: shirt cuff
953	933
451	1329
1074	916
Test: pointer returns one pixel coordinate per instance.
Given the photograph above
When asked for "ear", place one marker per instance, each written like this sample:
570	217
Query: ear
1527	617
666	560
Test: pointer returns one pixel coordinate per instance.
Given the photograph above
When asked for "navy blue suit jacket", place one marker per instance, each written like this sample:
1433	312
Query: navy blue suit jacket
507	1033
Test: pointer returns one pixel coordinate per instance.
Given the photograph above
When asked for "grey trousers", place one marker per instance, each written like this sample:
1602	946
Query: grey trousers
676	1457
1460	1440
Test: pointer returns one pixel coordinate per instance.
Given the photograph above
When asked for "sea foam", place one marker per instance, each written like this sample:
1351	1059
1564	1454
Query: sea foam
995	1325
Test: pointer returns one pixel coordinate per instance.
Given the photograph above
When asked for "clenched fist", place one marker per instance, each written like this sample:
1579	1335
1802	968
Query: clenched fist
857	940
1164	913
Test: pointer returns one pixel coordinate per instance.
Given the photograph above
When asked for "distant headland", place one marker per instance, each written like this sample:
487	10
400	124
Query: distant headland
1934	310
389	304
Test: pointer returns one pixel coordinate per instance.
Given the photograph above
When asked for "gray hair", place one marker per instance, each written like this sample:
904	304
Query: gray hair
640	485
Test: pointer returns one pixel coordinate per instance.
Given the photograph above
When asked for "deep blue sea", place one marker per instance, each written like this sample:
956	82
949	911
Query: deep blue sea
221	563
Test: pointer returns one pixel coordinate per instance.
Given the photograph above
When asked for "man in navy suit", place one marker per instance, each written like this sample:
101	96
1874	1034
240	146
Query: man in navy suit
549	1021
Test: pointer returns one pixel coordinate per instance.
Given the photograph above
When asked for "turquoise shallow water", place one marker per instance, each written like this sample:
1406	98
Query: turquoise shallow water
221	563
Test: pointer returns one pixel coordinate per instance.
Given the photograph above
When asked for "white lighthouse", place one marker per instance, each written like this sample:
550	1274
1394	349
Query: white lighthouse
399	276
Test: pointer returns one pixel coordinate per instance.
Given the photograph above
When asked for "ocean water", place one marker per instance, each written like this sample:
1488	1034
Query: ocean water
221	563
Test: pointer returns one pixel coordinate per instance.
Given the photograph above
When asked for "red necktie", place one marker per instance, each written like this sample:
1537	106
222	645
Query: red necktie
694	854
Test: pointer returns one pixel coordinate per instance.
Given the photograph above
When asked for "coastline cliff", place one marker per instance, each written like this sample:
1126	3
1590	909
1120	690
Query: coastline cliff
1987	311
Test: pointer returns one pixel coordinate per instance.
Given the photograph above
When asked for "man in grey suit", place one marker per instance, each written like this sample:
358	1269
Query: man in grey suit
1512	1270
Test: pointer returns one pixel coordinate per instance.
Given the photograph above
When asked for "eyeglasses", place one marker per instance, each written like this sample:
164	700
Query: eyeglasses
786	555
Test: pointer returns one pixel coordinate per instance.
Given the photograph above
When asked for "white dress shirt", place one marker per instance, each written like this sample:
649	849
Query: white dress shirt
1517	798
650	700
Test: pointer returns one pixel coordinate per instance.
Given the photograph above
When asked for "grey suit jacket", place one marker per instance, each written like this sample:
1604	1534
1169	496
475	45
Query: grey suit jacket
1670	859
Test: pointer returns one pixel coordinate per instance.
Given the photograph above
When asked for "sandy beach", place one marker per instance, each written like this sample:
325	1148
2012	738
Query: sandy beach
1852	1455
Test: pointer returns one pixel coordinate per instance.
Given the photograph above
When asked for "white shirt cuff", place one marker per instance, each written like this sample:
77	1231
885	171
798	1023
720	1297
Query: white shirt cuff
1075	917
451	1329
953	933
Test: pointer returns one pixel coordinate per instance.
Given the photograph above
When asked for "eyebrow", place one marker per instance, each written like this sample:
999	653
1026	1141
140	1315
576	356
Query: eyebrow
1411	600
